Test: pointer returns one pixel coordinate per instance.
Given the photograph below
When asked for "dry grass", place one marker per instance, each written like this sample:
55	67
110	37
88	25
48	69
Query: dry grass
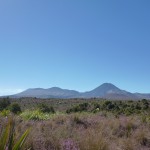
85	131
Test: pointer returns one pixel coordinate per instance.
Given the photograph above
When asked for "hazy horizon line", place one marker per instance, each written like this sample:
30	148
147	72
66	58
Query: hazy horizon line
12	91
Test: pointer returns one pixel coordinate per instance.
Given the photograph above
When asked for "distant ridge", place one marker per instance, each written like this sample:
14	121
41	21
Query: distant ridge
54	92
106	90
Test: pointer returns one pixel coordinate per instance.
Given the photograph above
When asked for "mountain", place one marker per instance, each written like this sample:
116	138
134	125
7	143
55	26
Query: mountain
53	92
106	90
142	96
109	91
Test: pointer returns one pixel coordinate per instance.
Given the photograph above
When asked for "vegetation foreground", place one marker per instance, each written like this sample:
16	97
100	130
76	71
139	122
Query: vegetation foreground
75	124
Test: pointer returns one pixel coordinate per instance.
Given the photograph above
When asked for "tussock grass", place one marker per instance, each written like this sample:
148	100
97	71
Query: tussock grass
8	140
35	115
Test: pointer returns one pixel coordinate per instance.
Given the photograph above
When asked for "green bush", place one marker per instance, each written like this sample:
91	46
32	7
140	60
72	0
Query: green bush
4	113
4	103
45	109
96	105
15	108
110	106
78	108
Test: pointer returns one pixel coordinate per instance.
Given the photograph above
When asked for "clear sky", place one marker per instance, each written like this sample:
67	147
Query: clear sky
74	44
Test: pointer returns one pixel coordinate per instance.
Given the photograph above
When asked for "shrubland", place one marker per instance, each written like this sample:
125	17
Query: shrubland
78	124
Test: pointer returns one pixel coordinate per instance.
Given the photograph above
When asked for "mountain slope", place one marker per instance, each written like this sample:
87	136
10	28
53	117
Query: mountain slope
106	90
142	96
109	91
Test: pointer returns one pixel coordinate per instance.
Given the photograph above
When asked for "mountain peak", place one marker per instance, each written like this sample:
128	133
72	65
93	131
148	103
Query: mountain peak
108	85
105	88
55	88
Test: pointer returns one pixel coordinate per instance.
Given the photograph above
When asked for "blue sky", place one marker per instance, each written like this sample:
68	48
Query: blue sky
74	44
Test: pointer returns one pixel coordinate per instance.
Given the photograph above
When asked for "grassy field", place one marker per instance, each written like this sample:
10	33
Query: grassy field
79	124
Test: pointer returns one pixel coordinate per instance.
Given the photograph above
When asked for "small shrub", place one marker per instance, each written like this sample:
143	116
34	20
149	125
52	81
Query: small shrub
4	113
45	109
4	103
78	108
96	110
110	106
15	108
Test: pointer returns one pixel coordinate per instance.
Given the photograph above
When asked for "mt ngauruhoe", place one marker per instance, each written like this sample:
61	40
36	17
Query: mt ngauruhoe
106	90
